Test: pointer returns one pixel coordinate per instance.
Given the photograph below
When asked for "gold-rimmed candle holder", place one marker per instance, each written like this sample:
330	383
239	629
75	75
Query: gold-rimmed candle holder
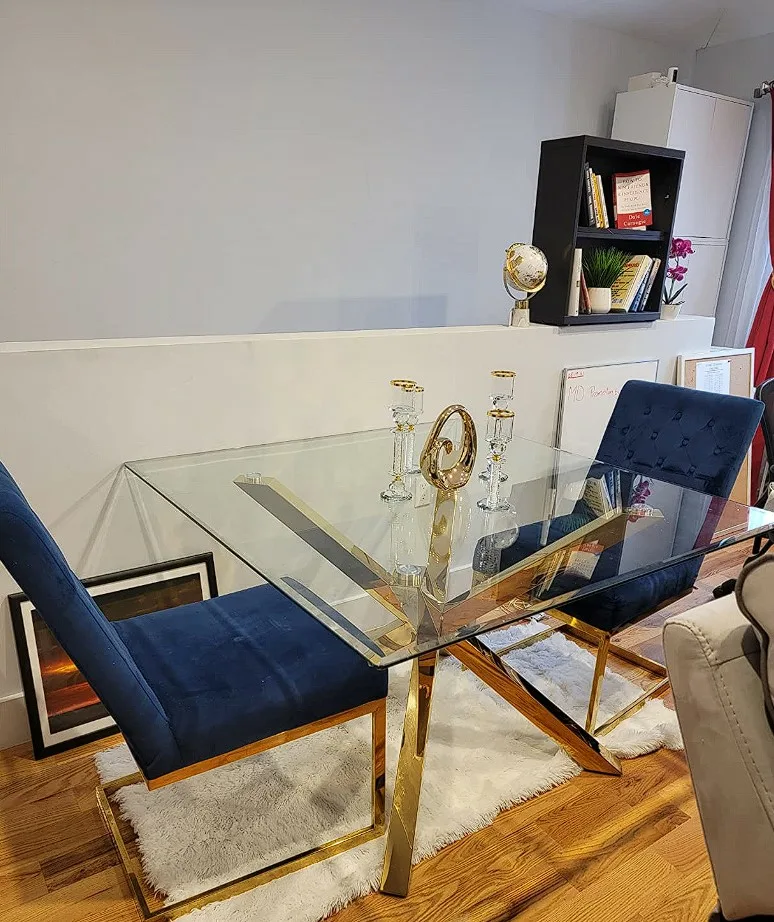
416	395
499	431
401	405
501	386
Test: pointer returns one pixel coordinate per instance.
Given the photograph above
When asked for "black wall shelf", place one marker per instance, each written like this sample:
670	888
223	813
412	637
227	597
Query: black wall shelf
612	233
559	209
582	320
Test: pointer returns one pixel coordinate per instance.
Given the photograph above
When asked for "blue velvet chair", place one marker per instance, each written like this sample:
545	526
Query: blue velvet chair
198	686
687	437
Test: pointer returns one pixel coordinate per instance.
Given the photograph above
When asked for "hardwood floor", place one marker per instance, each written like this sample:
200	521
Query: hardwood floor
596	849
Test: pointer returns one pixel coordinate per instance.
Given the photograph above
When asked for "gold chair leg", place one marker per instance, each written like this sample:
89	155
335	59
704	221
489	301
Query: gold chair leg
396	871
613	722
597	682
151	907
378	767
605	649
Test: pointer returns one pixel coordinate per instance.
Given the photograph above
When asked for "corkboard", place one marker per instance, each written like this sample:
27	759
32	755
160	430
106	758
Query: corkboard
741	363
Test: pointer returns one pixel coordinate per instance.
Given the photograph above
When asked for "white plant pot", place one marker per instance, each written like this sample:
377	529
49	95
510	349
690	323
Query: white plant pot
670	311
600	300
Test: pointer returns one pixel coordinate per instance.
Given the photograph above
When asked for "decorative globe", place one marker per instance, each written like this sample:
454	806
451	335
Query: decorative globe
526	267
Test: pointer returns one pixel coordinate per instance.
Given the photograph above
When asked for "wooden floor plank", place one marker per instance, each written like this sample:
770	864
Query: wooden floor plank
635	886
597	849
101	897
20	882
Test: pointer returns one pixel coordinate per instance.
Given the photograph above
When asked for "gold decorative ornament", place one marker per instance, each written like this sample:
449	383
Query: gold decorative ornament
437	447
525	270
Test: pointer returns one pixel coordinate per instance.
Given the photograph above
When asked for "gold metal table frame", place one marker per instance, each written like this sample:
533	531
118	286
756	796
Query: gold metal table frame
425	610
496	597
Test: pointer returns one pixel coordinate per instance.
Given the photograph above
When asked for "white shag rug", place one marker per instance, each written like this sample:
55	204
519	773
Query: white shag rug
482	757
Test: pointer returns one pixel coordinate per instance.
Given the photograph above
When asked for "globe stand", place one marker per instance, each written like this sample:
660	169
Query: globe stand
524	275
519	314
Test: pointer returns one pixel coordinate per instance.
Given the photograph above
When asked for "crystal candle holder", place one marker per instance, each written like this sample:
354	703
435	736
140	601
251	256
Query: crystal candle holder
501	389
499	431
416	395
501	384
401	405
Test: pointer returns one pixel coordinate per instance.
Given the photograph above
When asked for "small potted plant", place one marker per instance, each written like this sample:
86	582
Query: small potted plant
601	268
676	272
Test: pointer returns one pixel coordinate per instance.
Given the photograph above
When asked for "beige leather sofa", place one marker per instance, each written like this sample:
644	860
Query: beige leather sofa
721	686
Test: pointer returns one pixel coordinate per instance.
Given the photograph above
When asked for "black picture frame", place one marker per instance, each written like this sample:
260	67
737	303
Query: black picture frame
63	710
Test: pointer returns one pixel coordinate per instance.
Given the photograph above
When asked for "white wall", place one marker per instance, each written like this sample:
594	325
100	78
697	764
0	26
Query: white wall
735	69
75	411
179	167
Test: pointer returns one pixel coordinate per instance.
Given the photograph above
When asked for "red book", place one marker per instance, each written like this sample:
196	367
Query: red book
632	207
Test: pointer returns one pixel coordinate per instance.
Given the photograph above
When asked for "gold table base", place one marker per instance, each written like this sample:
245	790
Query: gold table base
588	752
396	871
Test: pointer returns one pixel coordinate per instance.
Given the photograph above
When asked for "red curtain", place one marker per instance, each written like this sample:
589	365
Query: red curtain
762	333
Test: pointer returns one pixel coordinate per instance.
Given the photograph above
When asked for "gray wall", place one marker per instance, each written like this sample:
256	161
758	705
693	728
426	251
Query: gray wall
735	69
189	166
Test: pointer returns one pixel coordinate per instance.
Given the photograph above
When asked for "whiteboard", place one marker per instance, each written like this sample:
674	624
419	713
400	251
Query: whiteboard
587	399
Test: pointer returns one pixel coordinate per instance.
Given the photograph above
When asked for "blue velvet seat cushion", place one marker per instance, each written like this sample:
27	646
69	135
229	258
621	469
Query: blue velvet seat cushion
242	667
612	608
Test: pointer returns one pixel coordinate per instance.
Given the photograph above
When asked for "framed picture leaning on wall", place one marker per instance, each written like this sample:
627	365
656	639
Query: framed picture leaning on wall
62	707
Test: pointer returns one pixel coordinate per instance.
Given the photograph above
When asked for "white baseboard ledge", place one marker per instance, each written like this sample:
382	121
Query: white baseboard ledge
14	726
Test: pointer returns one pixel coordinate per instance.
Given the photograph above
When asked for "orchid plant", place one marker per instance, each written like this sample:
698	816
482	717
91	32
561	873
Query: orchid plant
677	270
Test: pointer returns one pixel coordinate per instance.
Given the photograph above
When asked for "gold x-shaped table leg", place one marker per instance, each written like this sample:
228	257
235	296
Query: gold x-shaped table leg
517	691
396	871
501	677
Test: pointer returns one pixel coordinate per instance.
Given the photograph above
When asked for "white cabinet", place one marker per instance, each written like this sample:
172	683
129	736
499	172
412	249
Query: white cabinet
691	130
712	130
705	270
713	134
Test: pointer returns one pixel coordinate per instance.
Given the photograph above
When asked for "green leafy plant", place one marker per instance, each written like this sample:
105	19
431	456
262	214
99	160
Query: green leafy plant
603	267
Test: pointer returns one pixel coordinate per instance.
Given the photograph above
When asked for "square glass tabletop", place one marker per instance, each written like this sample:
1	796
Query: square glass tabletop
398	579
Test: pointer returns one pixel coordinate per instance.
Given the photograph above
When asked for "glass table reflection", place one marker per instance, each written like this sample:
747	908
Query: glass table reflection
399	581
307	516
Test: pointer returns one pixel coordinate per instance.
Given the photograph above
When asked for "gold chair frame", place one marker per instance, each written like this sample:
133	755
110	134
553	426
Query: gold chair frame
148	902
605	648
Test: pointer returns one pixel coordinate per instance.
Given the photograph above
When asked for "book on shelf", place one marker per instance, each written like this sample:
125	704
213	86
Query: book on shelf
627	285
649	284
596	211
603	201
635	305
588	198
632	206
573	306
599	494
595	189
591	199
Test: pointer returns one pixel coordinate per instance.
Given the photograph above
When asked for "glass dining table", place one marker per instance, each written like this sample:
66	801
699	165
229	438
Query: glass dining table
400	581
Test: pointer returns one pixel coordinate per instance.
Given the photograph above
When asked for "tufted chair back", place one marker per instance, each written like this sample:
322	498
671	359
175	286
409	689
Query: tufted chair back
691	438
34	560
